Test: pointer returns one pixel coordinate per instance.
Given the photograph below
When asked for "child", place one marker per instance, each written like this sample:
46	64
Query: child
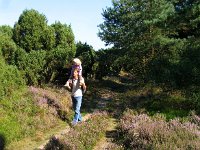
76	65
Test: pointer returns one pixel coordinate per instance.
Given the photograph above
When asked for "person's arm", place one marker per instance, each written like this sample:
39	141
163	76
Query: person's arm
84	86
67	84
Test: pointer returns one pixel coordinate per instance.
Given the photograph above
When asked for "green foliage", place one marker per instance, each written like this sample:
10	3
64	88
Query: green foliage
7	45
41	67
164	67
9	129
10	79
31	32
56	60
16	109
194	99
187	18
48	38
189	66
107	63
27	112
6	30
32	65
8	49
144	24
88	56
64	37
156	99
153	38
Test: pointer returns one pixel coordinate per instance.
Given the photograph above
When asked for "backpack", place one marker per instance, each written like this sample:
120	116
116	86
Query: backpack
83	91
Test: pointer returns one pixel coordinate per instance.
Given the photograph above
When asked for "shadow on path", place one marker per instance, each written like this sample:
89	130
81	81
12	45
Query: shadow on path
102	92
2	142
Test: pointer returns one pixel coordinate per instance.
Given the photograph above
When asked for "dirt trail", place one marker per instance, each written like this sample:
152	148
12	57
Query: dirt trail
60	134
104	97
106	142
57	135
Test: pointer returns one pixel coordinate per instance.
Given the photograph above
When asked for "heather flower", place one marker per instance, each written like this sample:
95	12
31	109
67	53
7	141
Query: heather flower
141	131
84	135
41	101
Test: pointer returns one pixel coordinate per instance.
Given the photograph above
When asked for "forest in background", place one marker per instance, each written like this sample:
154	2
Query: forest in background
157	42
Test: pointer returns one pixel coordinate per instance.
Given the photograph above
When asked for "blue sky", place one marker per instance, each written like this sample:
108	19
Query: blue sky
83	15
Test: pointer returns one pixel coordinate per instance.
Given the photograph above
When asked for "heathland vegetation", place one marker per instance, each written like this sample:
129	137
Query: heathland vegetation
148	81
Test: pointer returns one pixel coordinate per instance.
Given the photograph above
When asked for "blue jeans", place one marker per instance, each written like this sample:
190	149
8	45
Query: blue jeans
77	106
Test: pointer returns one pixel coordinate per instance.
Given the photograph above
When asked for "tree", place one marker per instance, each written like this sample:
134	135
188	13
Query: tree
32	65
141	33
7	45
61	54
64	36
8	49
31	32
188	27
56	60
10	79
6	30
107	63
87	54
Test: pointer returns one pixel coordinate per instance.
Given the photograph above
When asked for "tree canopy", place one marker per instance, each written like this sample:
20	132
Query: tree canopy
31	32
39	50
151	36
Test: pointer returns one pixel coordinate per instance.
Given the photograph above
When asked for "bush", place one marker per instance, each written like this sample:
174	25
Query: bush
84	135
10	79
57	59
31	112
33	66
40	67
139	131
195	101
8	49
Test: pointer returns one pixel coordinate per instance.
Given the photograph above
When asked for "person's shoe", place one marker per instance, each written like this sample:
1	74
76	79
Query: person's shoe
74	123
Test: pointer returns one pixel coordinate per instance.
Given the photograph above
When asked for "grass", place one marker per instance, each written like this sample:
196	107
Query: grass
84	135
31	113
37	140
149	97
154	99
28	115
174	105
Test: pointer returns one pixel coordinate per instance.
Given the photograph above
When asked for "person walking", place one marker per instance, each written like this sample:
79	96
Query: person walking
77	87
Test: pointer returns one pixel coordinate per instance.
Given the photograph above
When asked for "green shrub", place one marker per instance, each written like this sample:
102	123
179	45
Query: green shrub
29	112
33	66
8	49
10	129
195	101
10	79
57	58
